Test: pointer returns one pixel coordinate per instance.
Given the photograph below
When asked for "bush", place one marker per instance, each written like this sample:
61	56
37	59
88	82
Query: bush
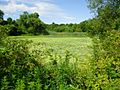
17	65
105	65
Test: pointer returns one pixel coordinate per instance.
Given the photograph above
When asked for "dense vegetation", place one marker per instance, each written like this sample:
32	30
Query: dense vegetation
22	67
26	24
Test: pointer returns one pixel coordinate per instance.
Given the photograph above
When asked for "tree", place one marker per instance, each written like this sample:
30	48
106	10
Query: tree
108	11
1	17
9	20
31	24
97	5
1	14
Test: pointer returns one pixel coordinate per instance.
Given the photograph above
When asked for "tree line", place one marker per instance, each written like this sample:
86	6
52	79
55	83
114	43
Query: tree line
26	24
29	23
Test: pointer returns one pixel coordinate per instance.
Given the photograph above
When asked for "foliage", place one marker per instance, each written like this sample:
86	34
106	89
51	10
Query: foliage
14	62
30	23
64	27
108	13
3	33
1	14
26	24
105	64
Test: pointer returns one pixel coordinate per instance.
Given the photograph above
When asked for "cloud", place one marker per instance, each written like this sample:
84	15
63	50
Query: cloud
44	8
12	7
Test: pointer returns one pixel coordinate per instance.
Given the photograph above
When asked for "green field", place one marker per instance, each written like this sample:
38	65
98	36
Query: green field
78	46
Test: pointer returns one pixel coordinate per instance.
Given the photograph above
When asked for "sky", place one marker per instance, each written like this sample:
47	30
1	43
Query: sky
57	11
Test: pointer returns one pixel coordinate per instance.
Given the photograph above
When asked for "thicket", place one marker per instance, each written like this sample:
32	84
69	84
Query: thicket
106	61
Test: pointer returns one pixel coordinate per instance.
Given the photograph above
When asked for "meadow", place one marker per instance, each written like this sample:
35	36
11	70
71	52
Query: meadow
79	46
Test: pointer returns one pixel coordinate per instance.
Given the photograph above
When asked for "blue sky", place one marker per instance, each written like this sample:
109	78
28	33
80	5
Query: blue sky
58	11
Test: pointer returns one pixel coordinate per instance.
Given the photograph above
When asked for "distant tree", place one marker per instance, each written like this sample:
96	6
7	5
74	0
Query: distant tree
83	26
30	23
1	14
1	18
12	30
9	20
35	15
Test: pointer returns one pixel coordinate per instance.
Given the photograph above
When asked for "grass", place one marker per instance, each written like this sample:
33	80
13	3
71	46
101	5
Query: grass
78	46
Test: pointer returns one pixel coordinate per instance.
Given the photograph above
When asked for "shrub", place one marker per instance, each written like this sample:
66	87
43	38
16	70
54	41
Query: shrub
16	63
105	65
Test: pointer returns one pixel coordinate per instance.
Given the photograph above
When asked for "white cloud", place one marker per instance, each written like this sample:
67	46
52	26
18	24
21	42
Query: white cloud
44	7
12	7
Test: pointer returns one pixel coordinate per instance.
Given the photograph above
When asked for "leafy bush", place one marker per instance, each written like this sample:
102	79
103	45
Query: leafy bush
15	62
105	65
